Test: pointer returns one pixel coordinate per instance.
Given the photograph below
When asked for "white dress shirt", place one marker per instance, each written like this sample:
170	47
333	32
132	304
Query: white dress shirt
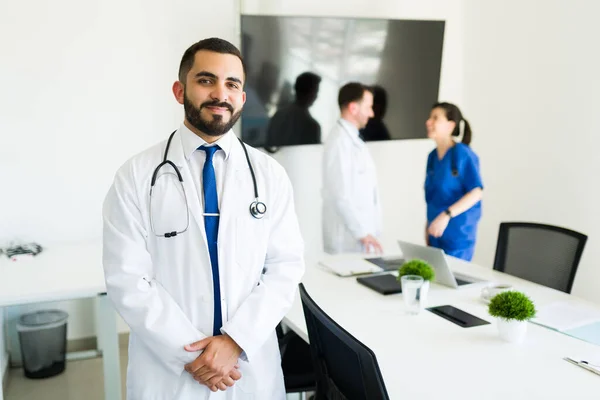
195	159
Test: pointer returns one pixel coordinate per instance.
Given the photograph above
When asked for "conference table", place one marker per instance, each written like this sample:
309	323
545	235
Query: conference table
425	356
67	271
420	357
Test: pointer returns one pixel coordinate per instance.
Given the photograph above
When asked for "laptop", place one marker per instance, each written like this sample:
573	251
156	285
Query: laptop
438	260
389	263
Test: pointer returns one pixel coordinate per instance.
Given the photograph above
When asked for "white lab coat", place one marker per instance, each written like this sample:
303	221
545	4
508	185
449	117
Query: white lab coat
163	287
351	205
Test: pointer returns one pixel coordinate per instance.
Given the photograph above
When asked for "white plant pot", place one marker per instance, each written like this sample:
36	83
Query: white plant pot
422	294
511	330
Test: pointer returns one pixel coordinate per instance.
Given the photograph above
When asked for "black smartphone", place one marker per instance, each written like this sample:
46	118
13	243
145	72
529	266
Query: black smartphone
458	316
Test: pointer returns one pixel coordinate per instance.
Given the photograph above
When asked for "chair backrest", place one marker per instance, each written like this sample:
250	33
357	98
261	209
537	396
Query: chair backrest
346	369
544	254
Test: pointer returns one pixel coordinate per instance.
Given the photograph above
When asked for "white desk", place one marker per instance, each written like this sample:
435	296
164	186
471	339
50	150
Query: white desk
67	272
428	357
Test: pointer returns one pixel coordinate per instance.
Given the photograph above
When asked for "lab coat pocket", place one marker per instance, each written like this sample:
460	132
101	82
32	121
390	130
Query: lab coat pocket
361	164
360	157
180	386
247	383
251	244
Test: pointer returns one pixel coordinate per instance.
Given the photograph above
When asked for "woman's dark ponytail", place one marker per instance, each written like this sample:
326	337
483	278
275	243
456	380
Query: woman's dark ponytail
466	133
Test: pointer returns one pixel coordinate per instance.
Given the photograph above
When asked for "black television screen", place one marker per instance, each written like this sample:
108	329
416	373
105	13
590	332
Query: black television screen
400	59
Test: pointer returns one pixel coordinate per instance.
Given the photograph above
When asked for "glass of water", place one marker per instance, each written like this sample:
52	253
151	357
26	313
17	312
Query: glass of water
411	288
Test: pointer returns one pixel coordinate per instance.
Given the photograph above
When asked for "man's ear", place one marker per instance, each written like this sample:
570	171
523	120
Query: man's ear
179	91
353	107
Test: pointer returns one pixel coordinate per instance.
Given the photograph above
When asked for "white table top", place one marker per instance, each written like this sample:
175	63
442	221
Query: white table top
428	357
63	271
423	356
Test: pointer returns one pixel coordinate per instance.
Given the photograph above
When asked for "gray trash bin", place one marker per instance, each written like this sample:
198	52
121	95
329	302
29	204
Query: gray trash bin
43	339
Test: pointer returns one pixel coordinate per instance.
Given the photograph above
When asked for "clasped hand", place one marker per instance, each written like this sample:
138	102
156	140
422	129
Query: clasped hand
217	366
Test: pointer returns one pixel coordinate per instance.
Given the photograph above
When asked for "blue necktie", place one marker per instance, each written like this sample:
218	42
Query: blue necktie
211	224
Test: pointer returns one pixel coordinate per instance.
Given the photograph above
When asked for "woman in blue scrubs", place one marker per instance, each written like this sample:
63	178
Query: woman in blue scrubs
453	186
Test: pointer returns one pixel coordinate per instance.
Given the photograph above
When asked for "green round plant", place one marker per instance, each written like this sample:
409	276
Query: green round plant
512	305
417	267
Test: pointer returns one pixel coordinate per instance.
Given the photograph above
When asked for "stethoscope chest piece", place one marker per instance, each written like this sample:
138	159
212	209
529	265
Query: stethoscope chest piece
258	209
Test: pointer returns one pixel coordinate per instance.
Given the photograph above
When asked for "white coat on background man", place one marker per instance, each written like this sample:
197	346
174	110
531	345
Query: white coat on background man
163	287
351	205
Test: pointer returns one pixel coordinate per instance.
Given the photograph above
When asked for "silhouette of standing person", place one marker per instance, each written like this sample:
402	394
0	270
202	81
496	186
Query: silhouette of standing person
376	129
293	124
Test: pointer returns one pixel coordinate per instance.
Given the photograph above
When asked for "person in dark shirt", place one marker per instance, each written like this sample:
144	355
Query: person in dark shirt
293	124
376	129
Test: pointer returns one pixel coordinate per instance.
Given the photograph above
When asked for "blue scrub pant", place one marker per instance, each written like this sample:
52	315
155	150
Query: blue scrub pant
465	253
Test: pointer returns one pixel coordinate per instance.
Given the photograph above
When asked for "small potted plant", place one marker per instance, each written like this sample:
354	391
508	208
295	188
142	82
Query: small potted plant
420	268
512	310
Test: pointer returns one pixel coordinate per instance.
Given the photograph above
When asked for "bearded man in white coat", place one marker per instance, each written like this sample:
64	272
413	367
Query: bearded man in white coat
351	206
201	277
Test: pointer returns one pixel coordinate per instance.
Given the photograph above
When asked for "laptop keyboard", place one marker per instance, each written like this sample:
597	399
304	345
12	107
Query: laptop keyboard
461	282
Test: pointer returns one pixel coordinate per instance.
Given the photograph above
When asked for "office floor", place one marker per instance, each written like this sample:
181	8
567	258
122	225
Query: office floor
81	380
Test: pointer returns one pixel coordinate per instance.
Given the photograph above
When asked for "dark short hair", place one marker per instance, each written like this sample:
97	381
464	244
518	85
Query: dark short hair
351	92
306	83
214	44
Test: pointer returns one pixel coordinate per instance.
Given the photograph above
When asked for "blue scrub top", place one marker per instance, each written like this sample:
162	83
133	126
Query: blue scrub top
442	189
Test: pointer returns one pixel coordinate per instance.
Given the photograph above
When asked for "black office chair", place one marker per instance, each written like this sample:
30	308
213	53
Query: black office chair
346	369
544	254
296	362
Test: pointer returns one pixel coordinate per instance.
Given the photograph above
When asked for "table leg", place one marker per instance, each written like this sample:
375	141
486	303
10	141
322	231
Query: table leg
4	354
108	342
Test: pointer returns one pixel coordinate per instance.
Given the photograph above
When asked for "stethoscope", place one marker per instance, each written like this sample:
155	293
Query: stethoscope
452	163
258	209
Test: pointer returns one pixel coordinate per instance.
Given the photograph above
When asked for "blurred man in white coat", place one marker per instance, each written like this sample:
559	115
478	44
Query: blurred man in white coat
202	248
351	207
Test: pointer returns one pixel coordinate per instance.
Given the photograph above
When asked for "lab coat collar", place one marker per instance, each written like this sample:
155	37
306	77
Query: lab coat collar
182	146
190	142
351	130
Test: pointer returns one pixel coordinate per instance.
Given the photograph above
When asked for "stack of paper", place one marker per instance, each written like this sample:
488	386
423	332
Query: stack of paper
349	266
563	316
589	333
585	364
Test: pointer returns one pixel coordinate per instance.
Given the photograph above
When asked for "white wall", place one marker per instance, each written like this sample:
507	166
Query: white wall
86	85
3	354
531	92
400	164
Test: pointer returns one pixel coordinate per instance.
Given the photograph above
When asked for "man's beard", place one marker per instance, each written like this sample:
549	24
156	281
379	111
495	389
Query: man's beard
213	127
